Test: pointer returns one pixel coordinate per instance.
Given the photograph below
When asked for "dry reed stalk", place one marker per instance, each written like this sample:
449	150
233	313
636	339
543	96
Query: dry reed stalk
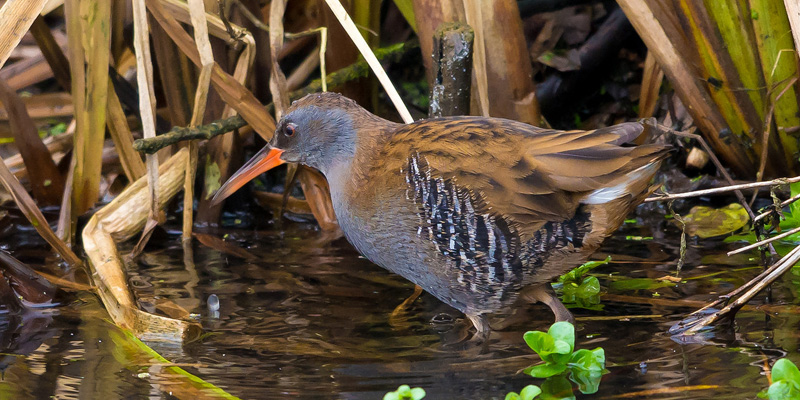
66	227
177	74
506	60
693	326
120	220
724	189
277	80
475	20
351	29
229	87
220	151
24	73
652	76
121	134
147	108
200	24
88	29
16	17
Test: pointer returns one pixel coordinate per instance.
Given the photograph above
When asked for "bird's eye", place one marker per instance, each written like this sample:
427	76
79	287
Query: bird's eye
290	129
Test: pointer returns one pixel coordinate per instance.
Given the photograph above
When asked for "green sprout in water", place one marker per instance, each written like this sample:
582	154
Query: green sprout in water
405	392
557	350
527	393
579	290
785	382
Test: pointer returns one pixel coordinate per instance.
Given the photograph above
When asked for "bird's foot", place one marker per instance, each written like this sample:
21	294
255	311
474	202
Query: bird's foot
398	319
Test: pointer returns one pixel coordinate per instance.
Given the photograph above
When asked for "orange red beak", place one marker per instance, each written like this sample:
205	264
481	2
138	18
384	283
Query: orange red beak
265	160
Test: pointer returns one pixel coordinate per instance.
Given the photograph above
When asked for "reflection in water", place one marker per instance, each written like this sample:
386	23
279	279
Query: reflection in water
297	316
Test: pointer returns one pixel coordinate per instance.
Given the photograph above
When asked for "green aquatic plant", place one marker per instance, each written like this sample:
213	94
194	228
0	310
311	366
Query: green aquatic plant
527	393
405	392
578	289
785	382
556	348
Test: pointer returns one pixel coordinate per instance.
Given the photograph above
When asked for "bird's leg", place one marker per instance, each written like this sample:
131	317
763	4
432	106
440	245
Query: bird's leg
544	293
397	318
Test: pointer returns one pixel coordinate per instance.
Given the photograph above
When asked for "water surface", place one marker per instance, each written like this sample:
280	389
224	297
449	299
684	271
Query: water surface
302	316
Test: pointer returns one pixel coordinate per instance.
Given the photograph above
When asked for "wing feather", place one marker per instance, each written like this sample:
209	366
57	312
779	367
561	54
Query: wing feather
528	175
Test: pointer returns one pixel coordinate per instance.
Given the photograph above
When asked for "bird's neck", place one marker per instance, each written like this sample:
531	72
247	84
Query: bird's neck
372	133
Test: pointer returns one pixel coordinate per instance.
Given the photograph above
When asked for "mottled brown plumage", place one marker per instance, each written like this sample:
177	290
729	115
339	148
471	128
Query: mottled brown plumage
477	211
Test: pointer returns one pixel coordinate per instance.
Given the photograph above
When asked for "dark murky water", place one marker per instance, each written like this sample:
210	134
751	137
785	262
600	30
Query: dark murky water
306	318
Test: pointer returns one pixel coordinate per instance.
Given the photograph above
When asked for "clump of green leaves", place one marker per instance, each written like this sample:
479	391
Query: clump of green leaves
405	392
556	347
785	382
579	290
527	393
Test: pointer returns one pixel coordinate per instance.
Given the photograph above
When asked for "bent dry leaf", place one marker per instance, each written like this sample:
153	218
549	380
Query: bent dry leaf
120	220
32	213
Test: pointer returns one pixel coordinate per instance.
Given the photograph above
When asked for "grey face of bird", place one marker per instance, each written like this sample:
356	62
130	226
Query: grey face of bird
315	136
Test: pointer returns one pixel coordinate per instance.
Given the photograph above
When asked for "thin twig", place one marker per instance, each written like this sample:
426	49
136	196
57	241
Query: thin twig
765	241
724	189
785	203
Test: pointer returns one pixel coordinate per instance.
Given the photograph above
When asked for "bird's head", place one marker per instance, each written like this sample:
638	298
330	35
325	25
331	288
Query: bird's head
318	130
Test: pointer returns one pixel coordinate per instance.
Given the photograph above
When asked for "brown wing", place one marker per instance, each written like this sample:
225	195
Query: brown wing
526	174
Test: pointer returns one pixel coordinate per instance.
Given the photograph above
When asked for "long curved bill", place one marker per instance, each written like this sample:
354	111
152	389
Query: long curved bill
266	159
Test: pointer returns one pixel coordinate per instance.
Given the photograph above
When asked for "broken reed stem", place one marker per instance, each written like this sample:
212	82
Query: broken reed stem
352	31
356	70
120	220
758	284
724	189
